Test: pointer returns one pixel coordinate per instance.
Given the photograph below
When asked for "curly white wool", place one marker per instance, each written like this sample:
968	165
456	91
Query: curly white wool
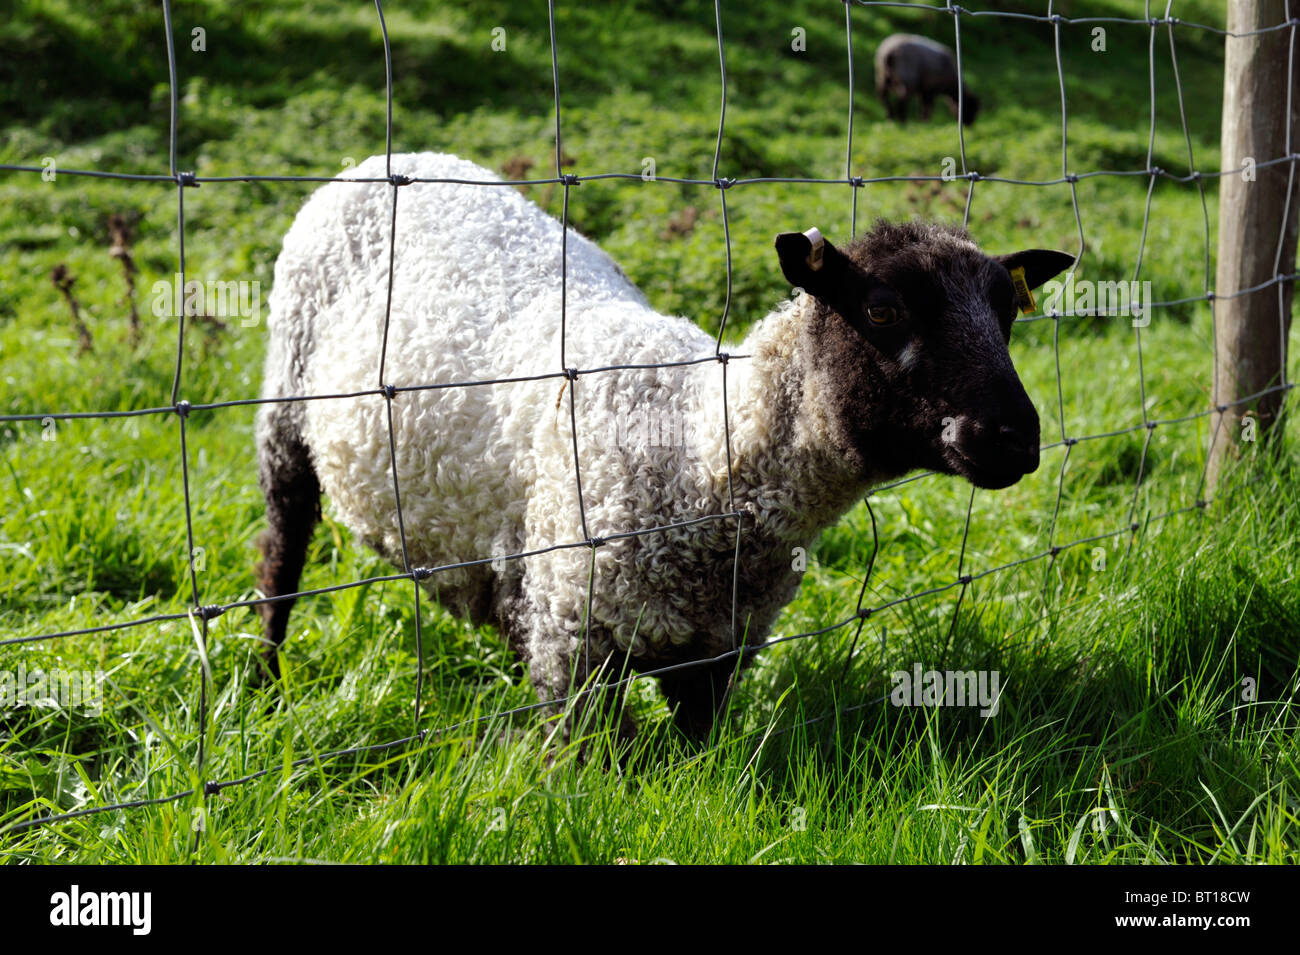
488	471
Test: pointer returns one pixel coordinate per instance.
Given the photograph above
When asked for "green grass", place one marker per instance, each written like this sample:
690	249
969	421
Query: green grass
1123	734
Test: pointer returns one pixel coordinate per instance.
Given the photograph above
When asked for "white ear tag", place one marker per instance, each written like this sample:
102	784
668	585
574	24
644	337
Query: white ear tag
818	246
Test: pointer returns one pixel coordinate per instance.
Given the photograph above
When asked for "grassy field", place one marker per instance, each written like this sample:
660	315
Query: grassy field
1147	677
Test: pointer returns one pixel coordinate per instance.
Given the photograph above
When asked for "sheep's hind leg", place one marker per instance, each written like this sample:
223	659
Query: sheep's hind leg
292	493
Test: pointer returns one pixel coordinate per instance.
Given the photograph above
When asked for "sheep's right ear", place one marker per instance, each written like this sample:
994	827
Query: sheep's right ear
810	262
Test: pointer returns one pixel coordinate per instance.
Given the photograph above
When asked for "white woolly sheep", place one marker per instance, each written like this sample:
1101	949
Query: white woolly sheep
908	65
893	357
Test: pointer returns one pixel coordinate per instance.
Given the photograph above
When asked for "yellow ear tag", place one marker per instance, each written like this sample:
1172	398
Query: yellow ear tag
1024	297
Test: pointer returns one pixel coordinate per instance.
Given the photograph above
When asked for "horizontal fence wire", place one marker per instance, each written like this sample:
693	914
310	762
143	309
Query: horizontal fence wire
199	614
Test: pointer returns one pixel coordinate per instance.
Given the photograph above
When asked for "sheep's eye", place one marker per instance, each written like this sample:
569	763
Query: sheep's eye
882	314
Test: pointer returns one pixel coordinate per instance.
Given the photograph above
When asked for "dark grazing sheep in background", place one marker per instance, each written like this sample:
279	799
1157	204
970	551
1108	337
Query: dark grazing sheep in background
909	66
893	357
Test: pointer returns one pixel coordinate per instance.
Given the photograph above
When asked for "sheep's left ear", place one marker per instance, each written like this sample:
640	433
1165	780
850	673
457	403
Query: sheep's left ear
1039	264
810	262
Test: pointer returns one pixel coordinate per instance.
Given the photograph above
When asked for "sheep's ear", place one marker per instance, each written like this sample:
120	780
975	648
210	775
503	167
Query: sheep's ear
1039	264
810	262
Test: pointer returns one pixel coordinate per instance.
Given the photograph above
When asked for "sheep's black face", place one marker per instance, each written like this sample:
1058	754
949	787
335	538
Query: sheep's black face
908	344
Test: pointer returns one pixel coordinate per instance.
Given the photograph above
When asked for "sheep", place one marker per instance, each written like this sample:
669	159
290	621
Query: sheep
908	65
893	355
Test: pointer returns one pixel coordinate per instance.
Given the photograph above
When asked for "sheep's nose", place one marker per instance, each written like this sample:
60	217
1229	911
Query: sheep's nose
1021	440
1017	434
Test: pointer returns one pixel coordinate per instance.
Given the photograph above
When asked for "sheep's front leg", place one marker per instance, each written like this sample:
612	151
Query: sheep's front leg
883	93
697	696
561	671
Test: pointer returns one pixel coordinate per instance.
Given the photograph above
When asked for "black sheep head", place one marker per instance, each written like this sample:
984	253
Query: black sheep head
907	344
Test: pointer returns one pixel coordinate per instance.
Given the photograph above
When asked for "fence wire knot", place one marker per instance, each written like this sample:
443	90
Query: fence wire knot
187	179
209	611
182	408
390	391
569	179
397	179
724	183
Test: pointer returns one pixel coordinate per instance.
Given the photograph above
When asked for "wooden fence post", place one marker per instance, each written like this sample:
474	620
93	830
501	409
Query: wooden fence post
1257	226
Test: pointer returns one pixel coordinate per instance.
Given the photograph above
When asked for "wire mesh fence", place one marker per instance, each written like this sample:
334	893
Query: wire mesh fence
205	607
